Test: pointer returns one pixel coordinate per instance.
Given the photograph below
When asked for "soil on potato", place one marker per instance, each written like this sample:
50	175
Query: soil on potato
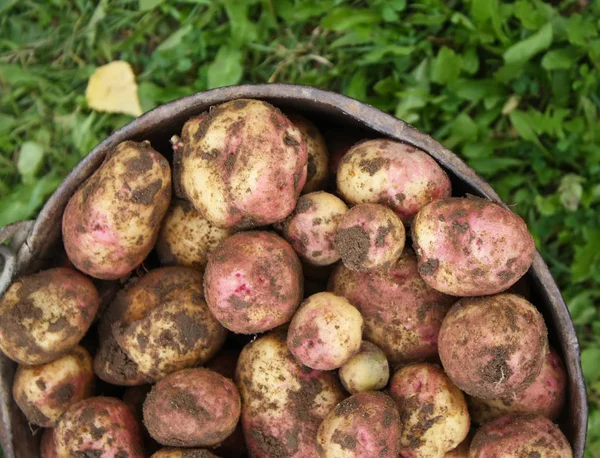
353	245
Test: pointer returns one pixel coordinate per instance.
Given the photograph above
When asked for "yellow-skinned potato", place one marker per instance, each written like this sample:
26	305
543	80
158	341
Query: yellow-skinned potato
183	453
111	223
368	370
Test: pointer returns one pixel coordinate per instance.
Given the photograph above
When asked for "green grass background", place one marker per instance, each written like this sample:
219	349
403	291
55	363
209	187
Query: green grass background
512	87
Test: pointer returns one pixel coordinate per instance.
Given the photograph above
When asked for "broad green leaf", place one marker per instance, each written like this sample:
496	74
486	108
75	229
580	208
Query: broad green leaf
521	124
464	127
570	191
357	87
226	69
590	363
174	39
347	18
492	165
530	16
380	52
31	156
580	29
563	58
6	5
587	256
524	50
484	11
146	5
446	66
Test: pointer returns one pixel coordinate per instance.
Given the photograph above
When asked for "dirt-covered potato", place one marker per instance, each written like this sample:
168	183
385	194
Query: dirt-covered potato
283	402
391	173
369	236
44	392
183	453
367	370
253	282
433	412
471	247
164	324
192	408
111	223
44	315
402	313
545	396
48	445
494	346
311	228
186	237
317	170
101	427
244	154
325	332
365	425
518	436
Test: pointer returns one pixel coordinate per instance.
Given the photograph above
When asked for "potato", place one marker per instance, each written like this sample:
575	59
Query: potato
494	346
462	451
402	313
192	408
367	370
312	227
471	247
317	170
186	238
44	315
325	332
253	282
545	396
370	236
47	445
46	391
183	453
101	427
391	173
165	325
518	436
283	402
243	154
365	425
433	413
112	221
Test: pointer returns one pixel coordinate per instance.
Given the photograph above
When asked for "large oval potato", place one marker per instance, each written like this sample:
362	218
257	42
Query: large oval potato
244	166
111	223
44	315
283	402
471	247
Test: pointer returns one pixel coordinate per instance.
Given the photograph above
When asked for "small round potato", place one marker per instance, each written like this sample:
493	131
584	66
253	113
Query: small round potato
433	413
101	427
545	396
311	228
253	282
192	408
283	402
183	453
47	445
46	391
317	170
518	436
111	223
368	370
370	236
245	165
494	346
391	173
325	332
365	425
43	316
186	237
471	247
402	314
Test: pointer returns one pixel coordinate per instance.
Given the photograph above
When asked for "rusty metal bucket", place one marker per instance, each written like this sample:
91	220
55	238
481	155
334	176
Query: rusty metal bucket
33	244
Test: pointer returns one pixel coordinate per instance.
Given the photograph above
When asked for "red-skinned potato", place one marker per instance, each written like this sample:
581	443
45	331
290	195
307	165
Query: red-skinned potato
111	223
365	425
518	436
493	346
43	316
186	237
244	153
192	408
102	427
283	402
183	453
471	247
391	173
253	282
367	370
433	412
545	396
369	236
47	445
402	313
46	391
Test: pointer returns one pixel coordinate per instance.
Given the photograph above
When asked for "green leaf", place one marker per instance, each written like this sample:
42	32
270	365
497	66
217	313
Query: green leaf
586	256
590	363
226	69
446	66
357	88
524	50
580	29
6	5
563	58
484	11
492	165
341	19
147	5
464	127
174	39
521	124
529	15
31	156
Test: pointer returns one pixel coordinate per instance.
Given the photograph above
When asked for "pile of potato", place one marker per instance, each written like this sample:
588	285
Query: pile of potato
268	310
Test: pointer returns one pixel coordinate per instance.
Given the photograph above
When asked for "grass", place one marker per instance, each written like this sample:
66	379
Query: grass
513	88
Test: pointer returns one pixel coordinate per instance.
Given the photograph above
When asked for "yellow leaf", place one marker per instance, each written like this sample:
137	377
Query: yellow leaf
112	88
